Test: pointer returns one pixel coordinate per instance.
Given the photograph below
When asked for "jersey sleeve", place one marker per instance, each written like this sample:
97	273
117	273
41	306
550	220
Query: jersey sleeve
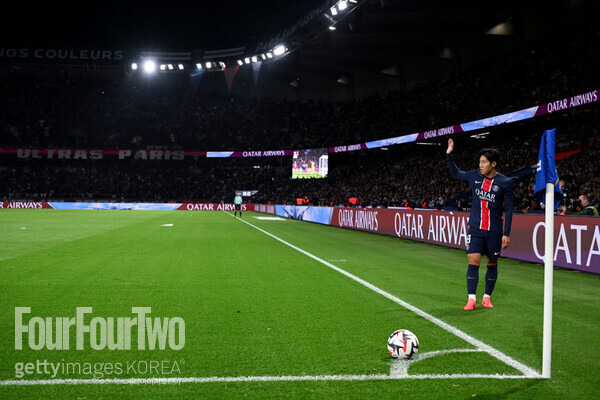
454	171
508	207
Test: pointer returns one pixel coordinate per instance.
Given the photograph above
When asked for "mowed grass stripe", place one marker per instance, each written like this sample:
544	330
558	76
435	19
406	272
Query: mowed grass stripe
25	231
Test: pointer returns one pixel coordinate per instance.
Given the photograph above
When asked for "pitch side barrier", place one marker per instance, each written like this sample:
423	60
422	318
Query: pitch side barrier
576	238
66	205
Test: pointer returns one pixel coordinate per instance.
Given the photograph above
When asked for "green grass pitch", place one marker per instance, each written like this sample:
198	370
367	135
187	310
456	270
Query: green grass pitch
307	175
255	307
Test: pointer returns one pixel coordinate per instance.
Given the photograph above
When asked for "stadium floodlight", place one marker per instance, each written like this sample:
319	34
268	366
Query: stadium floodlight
247	60
222	64
134	66
254	59
264	57
333	11
328	18
279	50
353	1
170	67
269	55
180	66
240	62
332	28
162	67
342	5
199	65
208	65
149	66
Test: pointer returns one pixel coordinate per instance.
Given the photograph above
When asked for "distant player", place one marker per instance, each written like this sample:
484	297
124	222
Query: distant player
492	193
237	201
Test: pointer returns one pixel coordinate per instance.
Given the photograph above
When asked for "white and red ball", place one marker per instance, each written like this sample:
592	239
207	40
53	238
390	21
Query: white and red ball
403	344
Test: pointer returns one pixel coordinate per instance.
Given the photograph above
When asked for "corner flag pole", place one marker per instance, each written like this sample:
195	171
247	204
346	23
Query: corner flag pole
548	192
548	281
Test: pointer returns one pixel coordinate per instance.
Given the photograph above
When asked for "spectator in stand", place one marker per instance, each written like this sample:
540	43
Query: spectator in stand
587	207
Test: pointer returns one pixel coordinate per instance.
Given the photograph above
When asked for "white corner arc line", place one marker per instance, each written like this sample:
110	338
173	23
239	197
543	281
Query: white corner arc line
400	367
526	370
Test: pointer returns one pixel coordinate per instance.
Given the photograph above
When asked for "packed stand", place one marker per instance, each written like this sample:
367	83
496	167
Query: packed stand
64	110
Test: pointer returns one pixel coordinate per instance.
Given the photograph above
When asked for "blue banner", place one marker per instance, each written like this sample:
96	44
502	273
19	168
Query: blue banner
546	170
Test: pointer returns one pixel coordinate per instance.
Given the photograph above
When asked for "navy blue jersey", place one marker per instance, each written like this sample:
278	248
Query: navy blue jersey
490	198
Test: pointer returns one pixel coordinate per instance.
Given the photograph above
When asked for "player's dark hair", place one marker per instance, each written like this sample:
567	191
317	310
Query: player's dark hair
491	154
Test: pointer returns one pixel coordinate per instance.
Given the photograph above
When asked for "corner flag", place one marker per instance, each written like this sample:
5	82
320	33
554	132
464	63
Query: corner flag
546	186
546	170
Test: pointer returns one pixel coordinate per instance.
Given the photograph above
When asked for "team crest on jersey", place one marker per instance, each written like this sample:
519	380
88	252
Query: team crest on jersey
495	188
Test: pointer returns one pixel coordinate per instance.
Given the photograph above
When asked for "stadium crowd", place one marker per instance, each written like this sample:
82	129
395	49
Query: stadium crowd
411	175
62	110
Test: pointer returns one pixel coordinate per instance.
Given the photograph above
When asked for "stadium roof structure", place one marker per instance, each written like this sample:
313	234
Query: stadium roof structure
422	40
380	42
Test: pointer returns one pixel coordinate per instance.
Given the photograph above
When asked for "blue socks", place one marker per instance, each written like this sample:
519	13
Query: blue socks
490	278
472	279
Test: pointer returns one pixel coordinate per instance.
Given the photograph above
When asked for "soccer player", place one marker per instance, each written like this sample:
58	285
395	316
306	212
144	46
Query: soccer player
237	201
492	193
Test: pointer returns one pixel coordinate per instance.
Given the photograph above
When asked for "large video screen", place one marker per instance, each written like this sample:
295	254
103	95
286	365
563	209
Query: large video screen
310	163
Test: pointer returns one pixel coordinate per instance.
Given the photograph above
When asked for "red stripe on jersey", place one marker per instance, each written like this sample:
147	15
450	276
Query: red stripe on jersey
487	184
485	216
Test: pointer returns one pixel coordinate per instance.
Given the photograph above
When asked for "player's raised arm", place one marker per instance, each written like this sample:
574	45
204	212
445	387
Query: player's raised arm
450	146
454	171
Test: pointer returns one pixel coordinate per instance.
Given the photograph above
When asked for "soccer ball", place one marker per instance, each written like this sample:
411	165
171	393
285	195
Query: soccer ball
403	344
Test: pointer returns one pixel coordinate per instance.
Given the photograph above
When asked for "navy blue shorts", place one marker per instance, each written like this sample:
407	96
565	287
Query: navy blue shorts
484	242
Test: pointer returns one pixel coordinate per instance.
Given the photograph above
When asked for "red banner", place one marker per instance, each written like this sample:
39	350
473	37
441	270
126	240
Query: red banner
25	204
576	238
213	207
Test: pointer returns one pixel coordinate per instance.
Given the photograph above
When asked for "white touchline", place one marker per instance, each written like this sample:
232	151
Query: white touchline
283	378
526	370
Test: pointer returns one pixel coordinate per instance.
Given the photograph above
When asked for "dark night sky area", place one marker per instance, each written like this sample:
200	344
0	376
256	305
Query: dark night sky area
166	25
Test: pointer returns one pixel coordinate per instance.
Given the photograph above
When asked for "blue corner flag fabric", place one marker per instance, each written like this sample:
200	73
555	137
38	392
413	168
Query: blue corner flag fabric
546	170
